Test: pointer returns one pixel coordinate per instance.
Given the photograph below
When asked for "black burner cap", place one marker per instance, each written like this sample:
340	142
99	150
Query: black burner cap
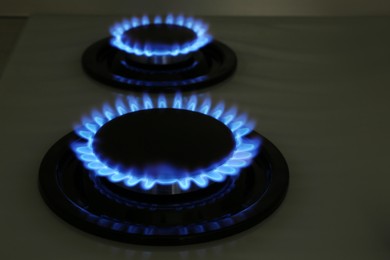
159	35
149	140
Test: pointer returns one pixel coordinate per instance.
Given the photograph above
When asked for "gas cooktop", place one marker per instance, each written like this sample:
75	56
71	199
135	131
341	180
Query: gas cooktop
320	97
158	171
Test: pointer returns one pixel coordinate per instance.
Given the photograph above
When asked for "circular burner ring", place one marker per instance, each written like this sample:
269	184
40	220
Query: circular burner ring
160	36
208	66
212	166
236	206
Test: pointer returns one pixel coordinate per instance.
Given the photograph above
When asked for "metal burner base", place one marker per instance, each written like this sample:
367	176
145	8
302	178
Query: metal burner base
205	67
101	208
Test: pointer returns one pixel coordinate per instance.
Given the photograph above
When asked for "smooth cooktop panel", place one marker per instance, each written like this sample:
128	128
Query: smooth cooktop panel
317	87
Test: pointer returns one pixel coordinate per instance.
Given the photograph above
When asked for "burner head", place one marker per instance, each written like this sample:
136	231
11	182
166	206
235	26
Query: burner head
170	54
164	142
171	36
159	37
156	146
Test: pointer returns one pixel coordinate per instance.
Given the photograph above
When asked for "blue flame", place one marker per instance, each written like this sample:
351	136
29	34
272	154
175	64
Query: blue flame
196	25
167	83
245	150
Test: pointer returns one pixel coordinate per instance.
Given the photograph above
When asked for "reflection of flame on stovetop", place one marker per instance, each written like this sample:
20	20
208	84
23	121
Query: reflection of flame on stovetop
245	149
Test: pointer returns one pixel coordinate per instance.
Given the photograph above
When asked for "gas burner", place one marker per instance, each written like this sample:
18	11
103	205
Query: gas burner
151	171
160	42
125	147
159	54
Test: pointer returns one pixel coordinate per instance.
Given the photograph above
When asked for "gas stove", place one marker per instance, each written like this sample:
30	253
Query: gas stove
158	171
311	89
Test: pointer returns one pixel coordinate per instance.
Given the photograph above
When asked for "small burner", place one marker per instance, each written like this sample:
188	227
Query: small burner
175	53
159	36
151	171
169	39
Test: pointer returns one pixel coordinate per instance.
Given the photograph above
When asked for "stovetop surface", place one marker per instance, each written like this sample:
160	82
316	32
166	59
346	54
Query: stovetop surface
318	88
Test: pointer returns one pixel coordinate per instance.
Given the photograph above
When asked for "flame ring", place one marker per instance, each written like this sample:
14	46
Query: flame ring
196	25
245	150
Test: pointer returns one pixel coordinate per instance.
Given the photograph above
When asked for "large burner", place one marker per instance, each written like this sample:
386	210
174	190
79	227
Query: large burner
121	176
170	138
182	144
159	54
